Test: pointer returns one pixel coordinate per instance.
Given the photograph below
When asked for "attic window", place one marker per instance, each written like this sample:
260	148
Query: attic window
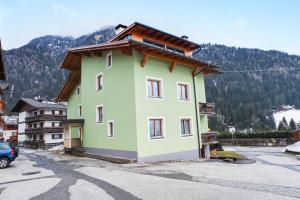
155	44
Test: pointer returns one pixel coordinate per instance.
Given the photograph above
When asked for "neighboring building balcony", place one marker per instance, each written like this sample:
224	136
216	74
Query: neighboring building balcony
209	138
206	108
44	130
45	117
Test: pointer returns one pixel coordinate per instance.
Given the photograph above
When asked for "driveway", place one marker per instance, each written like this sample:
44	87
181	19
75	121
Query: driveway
45	175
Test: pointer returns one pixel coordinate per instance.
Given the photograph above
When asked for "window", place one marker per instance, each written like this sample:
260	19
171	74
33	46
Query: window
183	91
53	124
155	128
60	112
41	124
53	112
34	125
110	129
99	82
41	112
185	127
41	137
108	59
34	137
78	90
79	111
154	88
35	113
99	114
56	136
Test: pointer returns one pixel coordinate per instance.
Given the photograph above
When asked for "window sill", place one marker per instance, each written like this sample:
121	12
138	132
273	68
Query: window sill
189	135
186	100
153	97
156	138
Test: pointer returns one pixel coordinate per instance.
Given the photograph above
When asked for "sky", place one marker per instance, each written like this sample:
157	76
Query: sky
263	24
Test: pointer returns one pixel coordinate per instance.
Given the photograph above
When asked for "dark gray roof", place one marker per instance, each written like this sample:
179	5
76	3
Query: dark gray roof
36	105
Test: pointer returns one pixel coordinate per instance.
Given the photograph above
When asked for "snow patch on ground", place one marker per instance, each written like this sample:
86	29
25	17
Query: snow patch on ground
294	147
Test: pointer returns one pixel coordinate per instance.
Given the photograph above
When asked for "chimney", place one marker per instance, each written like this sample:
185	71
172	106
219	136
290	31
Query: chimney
185	37
120	28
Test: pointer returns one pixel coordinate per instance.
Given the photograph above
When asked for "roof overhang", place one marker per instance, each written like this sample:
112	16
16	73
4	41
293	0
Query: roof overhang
156	33
72	60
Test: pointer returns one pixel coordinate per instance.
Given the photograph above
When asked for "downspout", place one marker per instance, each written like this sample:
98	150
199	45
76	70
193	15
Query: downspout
197	116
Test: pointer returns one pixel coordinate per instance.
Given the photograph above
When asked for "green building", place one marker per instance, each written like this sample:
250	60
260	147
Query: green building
139	96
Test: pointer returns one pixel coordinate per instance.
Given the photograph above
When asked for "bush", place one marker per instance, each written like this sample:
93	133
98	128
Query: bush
277	134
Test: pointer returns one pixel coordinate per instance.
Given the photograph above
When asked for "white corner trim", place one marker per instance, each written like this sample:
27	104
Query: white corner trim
191	126
79	110
113	127
164	135
96	81
96	111
106	60
78	87
161	87
188	88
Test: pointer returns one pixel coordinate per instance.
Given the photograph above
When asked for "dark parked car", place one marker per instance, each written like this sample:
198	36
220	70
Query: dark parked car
7	154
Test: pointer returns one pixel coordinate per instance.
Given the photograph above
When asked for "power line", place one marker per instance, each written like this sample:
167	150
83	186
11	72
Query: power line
261	70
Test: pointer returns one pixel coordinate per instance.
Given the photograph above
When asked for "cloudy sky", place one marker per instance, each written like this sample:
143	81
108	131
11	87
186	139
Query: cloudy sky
264	24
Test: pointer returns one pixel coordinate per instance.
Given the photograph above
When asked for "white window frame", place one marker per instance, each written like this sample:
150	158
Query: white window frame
191	126
79	110
97	89
188	91
161	88
113	129
163	128
107	56
97	115
77	91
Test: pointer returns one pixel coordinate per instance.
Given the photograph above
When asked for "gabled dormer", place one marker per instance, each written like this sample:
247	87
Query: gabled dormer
154	37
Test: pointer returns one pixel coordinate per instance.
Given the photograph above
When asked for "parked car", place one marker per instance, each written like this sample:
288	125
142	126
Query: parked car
7	154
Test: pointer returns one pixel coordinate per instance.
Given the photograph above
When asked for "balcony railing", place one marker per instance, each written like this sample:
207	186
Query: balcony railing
209	138
206	108
44	130
45	117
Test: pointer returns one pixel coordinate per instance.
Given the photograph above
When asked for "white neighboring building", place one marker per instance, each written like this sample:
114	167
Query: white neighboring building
40	122
9	127
288	114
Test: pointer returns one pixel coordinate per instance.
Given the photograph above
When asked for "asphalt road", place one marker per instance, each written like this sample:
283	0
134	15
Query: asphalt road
45	175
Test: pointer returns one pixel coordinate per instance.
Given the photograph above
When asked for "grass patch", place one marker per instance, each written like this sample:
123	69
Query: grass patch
230	154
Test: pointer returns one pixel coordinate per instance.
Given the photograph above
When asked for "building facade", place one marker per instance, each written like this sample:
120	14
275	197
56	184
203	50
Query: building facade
137	96
8	128
40	123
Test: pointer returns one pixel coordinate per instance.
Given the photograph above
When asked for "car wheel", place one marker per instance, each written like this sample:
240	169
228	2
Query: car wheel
4	162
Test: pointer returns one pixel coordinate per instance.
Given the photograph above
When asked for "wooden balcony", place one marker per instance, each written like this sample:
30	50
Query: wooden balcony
206	108
41	130
45	117
209	138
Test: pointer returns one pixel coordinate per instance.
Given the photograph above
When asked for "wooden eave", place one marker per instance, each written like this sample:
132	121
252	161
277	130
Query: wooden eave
156	34
73	61
174	59
70	83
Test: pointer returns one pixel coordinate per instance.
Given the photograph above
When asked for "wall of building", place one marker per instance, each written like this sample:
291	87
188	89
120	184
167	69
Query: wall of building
169	107
117	98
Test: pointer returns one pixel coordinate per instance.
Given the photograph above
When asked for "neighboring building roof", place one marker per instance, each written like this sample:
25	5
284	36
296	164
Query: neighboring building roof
34	104
136	26
2	67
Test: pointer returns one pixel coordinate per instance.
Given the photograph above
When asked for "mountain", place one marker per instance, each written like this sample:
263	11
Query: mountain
243	99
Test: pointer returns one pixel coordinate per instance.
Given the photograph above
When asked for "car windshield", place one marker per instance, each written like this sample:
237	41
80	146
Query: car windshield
4	146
